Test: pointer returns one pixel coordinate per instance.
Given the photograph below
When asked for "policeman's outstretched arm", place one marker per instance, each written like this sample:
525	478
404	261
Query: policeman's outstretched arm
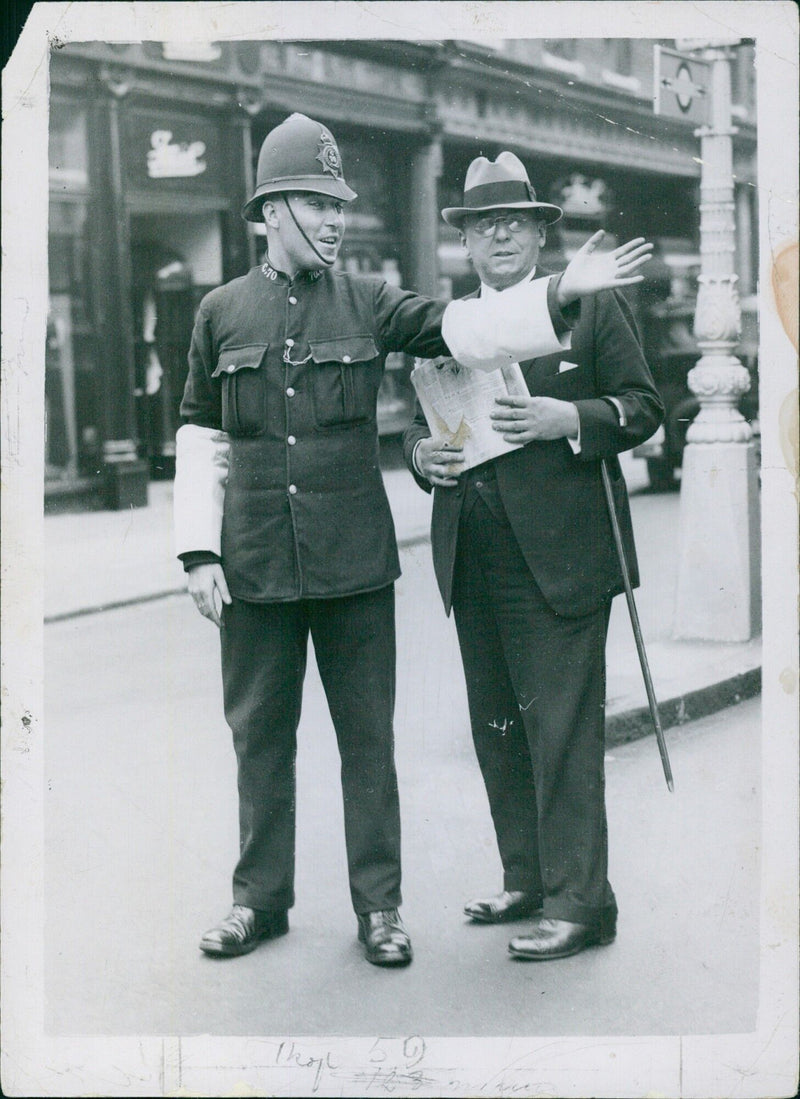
590	271
209	589
526	321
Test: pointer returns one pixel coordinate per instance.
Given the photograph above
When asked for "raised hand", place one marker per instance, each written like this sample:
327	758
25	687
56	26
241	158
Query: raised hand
589	270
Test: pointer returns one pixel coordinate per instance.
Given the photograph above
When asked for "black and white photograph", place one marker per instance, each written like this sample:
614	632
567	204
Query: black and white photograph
400	550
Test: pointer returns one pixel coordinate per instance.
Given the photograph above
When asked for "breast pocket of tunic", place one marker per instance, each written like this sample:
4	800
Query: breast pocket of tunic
346	374
242	371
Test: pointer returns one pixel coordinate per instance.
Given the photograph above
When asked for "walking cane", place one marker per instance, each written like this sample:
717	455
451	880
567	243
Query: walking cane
637	629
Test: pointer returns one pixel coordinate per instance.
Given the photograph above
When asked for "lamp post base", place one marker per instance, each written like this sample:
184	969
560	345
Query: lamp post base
719	589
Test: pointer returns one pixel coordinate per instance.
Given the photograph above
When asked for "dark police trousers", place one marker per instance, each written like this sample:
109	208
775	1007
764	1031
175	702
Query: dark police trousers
263	664
536	690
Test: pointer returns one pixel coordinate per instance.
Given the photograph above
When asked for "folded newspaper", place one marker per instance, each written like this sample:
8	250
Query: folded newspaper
458	402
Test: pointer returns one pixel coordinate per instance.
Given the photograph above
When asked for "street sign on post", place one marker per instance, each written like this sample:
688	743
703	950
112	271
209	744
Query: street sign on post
681	86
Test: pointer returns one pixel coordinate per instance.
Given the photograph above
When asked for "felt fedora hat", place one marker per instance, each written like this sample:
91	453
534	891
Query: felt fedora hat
298	155
502	183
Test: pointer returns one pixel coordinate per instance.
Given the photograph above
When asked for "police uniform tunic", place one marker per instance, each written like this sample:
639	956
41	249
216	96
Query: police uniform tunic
290	369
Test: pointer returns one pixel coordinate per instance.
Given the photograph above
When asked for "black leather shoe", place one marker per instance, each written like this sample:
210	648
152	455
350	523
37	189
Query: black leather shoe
505	906
242	930
549	938
385	939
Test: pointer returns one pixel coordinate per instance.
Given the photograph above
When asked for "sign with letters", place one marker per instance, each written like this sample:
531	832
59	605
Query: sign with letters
172	151
681	86
167	159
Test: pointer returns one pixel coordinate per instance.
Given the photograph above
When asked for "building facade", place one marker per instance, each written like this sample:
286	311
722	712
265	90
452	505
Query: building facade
152	153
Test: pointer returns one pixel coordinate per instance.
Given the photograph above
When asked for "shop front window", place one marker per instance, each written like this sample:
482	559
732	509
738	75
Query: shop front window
175	259
71	432
68	156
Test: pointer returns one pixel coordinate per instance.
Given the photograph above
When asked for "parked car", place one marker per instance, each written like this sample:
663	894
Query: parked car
672	351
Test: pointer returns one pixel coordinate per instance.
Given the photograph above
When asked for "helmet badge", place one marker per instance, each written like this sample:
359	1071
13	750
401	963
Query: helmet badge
328	155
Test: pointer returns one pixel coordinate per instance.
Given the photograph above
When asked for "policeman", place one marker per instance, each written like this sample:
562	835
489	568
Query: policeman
283	523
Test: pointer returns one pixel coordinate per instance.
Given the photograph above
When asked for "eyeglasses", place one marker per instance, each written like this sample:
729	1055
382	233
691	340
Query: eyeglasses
515	223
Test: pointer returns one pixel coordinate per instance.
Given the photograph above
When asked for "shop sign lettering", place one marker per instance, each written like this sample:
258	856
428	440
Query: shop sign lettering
170	160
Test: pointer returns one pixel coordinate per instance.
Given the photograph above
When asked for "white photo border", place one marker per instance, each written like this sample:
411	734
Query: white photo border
756	1064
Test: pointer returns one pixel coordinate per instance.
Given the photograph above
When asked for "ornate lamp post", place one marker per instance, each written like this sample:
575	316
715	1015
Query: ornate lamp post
718	591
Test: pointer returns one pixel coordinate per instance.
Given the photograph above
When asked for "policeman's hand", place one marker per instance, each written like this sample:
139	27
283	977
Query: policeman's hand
205	581
523	419
440	462
590	270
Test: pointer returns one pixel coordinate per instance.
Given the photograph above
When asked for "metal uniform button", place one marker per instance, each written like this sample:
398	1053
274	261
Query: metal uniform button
291	440
292	489
345	358
292	301
230	368
290	392
290	343
479	484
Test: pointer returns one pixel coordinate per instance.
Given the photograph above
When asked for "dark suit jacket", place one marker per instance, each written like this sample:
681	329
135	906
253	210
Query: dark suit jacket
554	499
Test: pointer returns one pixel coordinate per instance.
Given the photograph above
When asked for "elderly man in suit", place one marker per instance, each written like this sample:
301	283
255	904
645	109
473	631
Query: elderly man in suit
524	553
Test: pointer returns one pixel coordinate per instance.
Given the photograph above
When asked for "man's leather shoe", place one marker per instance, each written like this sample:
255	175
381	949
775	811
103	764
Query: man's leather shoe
242	930
385	939
514	905
549	938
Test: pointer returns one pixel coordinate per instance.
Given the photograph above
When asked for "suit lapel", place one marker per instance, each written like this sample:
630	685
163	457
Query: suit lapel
537	370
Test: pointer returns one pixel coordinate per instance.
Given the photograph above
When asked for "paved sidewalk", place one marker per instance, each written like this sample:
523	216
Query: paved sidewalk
101	559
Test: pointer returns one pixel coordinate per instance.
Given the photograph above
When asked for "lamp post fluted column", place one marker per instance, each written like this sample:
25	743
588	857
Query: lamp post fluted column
718	591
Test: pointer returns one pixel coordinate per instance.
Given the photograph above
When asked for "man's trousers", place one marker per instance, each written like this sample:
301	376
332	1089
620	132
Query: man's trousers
536	690
263	665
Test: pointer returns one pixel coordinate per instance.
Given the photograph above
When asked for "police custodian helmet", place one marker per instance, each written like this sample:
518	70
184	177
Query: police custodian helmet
298	155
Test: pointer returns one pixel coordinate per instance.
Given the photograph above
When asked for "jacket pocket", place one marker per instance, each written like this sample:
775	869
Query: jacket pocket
244	388
568	384
345	378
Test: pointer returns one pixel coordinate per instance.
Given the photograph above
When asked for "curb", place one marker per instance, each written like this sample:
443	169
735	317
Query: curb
631	725
64	616
621	728
82	612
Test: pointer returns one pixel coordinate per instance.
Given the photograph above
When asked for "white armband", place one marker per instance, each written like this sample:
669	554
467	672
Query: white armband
511	326
201	473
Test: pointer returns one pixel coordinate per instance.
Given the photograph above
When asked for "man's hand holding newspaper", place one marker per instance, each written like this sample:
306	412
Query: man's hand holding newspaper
475	416
459	404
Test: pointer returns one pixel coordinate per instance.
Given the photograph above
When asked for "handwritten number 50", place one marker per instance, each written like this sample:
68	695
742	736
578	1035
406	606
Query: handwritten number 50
413	1050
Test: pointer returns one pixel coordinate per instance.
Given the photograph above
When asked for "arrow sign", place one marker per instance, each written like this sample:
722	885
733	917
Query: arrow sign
681	85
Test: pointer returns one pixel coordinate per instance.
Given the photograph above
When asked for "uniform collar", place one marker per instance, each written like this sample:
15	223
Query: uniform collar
273	274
